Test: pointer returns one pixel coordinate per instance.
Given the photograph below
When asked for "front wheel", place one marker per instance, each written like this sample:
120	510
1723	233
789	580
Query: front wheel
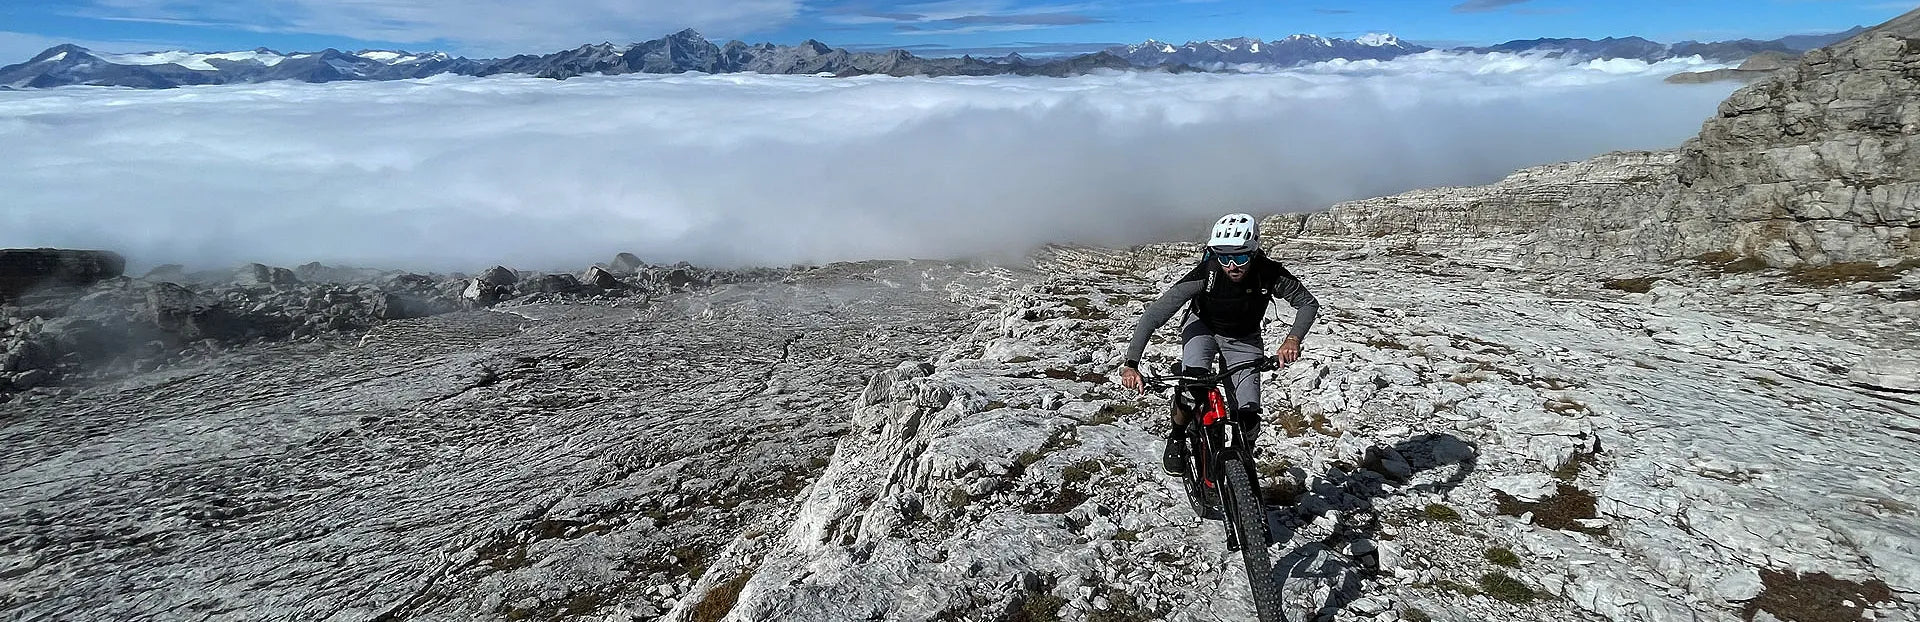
1250	521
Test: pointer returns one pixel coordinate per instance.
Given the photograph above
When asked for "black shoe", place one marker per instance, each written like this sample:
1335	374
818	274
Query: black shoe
1174	458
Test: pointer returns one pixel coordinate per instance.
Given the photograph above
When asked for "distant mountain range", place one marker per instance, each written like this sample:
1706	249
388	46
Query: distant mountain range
687	50
1294	50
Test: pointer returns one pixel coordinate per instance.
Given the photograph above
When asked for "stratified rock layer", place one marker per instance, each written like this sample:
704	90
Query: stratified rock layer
1821	165
1817	165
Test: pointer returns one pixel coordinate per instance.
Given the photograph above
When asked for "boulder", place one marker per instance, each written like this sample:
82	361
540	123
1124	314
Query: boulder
168	273
400	306
498	275
598	278
254	274
481	293
191	317
625	264
550	284
25	269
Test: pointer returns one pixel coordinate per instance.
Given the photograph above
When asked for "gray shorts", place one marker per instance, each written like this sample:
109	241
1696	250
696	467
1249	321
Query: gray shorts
1198	345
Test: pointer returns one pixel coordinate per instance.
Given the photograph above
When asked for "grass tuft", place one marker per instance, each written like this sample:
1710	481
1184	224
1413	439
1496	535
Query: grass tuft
719	601
1503	556
1498	585
1440	512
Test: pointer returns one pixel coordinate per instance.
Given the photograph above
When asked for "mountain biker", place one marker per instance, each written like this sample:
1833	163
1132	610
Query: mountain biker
1226	297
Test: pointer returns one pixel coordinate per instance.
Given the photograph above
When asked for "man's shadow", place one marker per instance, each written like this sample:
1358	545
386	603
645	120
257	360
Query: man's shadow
1320	577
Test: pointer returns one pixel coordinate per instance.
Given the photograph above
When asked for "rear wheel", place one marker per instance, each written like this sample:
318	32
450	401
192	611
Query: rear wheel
1250	523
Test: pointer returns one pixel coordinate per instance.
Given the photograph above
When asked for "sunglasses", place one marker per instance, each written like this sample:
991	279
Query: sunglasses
1234	260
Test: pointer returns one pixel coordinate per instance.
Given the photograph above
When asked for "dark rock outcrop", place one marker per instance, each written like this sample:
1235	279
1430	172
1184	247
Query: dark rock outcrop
24	269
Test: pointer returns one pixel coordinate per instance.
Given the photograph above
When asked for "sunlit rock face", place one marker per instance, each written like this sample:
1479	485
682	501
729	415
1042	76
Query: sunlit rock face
1817	165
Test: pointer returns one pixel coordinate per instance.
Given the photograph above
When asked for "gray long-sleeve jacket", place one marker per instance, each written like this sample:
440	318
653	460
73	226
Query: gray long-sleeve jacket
1230	308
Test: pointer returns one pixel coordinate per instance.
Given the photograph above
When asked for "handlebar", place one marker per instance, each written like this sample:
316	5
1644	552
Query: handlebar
1161	383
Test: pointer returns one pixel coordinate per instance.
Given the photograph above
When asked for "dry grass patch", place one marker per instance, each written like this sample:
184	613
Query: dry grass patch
1561	511
1817	597
1636	285
1498	585
720	600
1852	272
1723	263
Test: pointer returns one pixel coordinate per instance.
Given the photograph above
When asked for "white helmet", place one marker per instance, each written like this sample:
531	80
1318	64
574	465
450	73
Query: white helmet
1235	233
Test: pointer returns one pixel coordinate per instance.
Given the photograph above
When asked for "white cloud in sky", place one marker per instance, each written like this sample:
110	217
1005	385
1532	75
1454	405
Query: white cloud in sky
456	173
476	27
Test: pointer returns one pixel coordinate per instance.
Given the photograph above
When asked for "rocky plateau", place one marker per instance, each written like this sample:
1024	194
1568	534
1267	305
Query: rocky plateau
1656	386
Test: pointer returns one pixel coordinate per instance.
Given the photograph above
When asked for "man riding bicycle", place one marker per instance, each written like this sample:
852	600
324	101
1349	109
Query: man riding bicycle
1228	291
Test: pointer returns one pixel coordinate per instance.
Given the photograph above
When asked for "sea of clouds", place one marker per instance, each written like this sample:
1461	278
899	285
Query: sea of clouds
458	173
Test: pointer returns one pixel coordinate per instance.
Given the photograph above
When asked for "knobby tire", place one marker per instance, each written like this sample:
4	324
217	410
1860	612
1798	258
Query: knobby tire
1250	518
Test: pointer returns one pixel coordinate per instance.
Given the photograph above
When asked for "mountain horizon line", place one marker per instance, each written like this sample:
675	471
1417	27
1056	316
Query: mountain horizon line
688	50
920	49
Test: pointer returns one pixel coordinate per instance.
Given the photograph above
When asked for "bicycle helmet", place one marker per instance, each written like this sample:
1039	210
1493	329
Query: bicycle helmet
1235	233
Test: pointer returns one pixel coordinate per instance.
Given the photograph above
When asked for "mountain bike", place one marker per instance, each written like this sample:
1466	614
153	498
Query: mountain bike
1221	481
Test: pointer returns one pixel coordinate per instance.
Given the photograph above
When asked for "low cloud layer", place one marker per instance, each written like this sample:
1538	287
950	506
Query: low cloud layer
455	173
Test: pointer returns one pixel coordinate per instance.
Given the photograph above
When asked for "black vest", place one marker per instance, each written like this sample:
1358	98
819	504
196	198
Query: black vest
1236	308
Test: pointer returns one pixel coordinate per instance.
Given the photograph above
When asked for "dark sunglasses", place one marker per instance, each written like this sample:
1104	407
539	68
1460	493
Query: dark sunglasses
1234	260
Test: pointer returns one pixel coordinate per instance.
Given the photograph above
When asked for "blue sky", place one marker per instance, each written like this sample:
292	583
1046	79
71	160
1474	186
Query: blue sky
502	27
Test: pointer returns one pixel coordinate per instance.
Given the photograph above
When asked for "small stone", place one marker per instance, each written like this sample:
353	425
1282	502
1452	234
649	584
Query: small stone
1370	605
1529	487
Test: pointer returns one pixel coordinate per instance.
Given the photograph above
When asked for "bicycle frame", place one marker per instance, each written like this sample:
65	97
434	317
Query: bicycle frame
1216	442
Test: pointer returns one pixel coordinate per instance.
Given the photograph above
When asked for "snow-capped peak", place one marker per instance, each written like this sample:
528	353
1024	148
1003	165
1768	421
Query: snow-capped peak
192	60
1378	39
389	57
1316	39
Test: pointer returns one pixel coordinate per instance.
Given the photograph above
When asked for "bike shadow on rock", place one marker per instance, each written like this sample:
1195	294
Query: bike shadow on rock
1322	575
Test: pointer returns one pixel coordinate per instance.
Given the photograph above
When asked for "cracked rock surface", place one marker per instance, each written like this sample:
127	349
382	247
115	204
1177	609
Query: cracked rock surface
1460	442
539	460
